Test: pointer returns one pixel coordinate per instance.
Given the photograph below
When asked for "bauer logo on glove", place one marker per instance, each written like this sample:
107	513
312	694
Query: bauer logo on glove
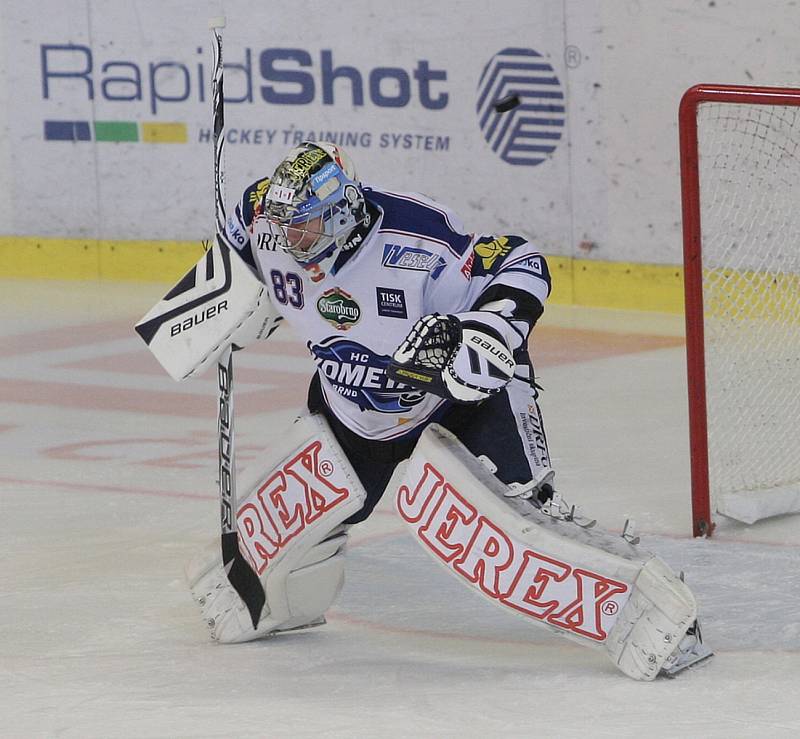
458	357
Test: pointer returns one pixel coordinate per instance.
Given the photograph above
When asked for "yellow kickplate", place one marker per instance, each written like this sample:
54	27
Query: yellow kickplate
621	285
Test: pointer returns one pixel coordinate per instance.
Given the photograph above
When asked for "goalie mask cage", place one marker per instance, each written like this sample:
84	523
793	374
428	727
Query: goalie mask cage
740	188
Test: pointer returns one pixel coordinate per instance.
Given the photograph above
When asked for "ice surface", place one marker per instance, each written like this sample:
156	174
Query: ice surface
107	489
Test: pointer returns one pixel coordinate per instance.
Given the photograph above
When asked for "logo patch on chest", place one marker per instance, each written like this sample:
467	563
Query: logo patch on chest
391	302
358	374
338	308
398	256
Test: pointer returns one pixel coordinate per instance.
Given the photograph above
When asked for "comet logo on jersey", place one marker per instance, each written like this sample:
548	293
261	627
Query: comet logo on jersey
259	191
358	374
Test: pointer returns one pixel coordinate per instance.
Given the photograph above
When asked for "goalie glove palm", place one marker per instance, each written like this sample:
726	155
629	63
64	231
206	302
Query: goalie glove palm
461	357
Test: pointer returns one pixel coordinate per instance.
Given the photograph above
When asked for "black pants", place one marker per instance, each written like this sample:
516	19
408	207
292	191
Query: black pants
507	428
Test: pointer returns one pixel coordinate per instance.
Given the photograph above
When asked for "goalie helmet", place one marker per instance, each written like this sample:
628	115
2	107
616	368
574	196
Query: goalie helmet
314	201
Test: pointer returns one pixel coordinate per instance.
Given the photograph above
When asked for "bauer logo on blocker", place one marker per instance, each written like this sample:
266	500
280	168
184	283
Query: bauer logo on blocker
527	133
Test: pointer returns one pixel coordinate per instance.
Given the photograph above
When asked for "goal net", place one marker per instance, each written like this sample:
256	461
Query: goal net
740	179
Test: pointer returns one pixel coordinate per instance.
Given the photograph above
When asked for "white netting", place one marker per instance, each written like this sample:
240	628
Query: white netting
750	215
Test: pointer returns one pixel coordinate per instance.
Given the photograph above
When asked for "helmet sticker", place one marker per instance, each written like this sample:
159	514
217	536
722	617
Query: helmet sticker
280	194
303	165
327	188
321	177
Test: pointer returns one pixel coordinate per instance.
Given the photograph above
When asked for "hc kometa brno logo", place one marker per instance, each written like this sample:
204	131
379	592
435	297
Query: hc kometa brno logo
528	133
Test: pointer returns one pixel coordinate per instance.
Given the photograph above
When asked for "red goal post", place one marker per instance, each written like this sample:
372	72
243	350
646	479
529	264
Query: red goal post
741	240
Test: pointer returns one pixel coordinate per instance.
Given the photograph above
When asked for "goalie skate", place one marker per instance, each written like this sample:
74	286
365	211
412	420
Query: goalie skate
689	652
539	492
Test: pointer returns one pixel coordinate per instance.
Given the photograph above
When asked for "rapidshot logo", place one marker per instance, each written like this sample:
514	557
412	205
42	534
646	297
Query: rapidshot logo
273	76
528	128
524	133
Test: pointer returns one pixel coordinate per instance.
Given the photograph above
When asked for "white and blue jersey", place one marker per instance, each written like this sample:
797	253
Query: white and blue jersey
410	259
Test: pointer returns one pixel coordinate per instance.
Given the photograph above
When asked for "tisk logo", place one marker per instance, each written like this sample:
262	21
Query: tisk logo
338	307
528	133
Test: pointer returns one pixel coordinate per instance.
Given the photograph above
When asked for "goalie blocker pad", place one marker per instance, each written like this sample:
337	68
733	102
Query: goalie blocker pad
217	303
585	584
290	531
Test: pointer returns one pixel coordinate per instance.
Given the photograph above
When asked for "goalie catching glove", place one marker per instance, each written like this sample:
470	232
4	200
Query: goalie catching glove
464	357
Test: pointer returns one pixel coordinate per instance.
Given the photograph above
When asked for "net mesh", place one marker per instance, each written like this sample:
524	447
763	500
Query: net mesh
750	215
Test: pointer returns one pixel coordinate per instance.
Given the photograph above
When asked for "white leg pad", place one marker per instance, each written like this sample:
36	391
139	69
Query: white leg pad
222	609
312	588
653	621
582	583
292	533
294	599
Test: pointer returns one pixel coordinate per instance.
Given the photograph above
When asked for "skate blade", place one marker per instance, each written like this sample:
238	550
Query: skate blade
310	625
700	653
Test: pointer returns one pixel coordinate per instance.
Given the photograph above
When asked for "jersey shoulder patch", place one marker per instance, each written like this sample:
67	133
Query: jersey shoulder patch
489	253
251	200
239	224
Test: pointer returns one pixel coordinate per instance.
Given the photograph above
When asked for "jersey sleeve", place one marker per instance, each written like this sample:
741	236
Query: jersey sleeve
506	275
239	224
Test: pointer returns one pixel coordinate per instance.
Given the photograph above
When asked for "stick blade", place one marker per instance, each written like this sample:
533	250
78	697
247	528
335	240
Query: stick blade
242	578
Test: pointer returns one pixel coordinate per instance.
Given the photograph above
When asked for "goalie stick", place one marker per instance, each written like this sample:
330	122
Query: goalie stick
241	576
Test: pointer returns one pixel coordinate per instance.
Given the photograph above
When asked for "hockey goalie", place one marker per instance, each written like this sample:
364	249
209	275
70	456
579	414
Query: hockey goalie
425	391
